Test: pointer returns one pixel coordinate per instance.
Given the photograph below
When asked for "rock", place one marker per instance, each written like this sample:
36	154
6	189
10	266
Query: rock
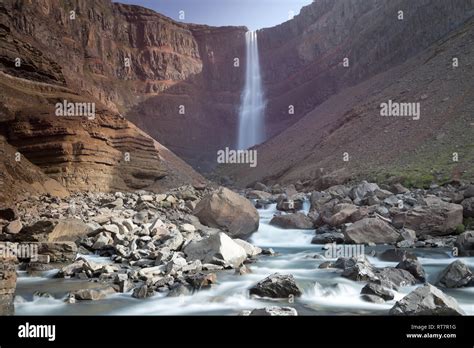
456	275
318	199
158	228
469	192
399	189
142	292
13	227
414	267
274	311
217	248
371	230
71	269
377	290
276	286
174	240
250	249
292	221
468	207
7	284
259	195
201	280
187	228
8	213
395	277
261	187
330	237
102	240
343	214
93	294
465	244
408	234
435	218
426	300
180	290
229	211
396	255
243	270
289	205
358	270
360	191
372	298
58	251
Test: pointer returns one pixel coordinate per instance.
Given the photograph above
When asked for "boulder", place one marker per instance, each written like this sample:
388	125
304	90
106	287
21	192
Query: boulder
218	248
329	237
372	298
468	207
469	191
58	251
292	221
465	244
289	205
250	249
93	294
394	277
318	199
371	230
276	286
259	195
274	311
396	255
13	227
358	270
377	290
343	214
143	291
426	300
456	275
201	280
436	217
358	192
414	267
228	211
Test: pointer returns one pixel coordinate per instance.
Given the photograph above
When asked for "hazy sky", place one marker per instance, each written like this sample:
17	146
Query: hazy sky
255	14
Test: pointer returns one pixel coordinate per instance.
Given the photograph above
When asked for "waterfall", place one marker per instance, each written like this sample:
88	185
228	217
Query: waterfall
251	113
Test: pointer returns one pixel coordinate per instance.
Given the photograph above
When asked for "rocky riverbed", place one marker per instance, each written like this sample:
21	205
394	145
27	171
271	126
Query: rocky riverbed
351	249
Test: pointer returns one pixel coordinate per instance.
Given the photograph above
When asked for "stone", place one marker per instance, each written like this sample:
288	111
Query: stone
276	286
414	267
426	300
69	230
274	311
142	292
288	205
58	251
343	214
358	192
261	187
469	192
377	290
468	207
361	270
371	230
228	211
292	221
13	227
174	240
395	277
8	213
8	279
218	248
201	280
93	294
259	195
180	290
372	298
101	241
435	218
250	249
396	255
455	275
329	237
187	228
465	244
399	189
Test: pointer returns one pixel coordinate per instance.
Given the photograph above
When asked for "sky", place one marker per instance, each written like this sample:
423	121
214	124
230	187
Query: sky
255	14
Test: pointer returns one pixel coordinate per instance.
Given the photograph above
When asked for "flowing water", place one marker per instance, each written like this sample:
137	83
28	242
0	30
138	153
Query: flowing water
251	128
324	291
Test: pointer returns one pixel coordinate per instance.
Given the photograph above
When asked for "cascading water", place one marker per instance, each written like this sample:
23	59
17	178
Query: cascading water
251	128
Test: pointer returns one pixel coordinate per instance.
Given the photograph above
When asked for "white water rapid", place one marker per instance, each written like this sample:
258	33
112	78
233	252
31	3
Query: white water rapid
251	114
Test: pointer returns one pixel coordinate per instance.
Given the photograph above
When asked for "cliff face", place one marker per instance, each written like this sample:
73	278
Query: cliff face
139	63
302	59
79	61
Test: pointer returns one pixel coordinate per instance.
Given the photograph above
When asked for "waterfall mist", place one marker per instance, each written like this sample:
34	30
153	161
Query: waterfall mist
252	107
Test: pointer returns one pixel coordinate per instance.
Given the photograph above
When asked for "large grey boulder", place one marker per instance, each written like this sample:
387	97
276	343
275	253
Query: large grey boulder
414	267
468	207
426	300
456	275
218	248
292	221
465	244
435	217
358	192
377	290
228	211
371	230
276	286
